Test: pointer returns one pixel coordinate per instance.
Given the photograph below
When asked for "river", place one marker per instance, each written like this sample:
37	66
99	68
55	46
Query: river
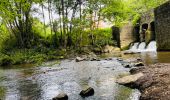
27	82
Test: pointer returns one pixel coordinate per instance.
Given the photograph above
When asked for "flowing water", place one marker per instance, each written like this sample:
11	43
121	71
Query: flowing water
148	53
26	82
142	47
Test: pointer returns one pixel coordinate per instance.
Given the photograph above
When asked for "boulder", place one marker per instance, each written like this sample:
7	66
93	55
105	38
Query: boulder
87	92
61	96
129	79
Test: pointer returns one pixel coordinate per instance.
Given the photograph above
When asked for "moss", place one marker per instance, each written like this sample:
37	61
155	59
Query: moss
2	93
123	93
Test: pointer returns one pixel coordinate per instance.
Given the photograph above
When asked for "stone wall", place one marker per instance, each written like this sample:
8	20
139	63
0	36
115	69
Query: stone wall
162	26
126	35
116	35
147	19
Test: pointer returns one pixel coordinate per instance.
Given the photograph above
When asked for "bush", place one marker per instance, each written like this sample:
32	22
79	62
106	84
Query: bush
6	61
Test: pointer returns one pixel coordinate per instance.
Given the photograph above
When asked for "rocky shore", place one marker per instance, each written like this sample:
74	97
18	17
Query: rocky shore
153	81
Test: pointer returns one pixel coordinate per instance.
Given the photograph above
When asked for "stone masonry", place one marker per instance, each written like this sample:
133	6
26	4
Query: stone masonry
162	26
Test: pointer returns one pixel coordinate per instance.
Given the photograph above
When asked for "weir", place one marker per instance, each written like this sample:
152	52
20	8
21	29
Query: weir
142	47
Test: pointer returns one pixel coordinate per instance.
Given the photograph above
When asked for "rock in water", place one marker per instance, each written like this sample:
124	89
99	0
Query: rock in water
127	66
139	64
78	59
61	96
129	79
87	92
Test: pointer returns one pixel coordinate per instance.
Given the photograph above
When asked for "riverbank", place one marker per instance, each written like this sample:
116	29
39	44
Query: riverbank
33	56
155	83
43	54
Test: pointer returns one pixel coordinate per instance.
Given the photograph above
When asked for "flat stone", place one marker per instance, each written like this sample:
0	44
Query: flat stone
129	79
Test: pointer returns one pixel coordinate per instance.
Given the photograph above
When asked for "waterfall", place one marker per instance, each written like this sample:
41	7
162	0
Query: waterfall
142	47
134	46
151	46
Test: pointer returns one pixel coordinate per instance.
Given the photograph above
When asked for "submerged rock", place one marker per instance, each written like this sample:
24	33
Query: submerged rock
61	96
129	79
87	92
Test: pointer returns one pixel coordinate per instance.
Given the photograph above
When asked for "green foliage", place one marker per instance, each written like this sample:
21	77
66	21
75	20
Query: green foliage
38	41
103	37
20	56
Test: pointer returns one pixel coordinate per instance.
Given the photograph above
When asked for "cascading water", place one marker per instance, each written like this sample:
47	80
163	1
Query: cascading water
134	46
151	46
141	47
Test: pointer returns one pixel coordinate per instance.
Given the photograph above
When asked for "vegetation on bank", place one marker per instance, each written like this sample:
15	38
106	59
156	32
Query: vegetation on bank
26	38
20	56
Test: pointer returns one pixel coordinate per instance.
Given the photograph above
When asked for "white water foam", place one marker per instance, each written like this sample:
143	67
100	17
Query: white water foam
141	47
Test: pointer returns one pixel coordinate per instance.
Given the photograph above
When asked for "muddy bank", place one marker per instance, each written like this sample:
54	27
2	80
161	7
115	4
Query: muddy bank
155	84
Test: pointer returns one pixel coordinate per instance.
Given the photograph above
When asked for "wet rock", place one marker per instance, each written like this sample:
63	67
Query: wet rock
139	59
135	70
87	92
95	59
108	59
78	59
119	59
129	79
61	96
139	64
127	66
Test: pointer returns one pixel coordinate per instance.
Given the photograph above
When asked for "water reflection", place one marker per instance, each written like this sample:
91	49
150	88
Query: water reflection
150	57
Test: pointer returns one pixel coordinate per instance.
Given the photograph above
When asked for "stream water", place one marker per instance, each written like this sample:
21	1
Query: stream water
26	82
